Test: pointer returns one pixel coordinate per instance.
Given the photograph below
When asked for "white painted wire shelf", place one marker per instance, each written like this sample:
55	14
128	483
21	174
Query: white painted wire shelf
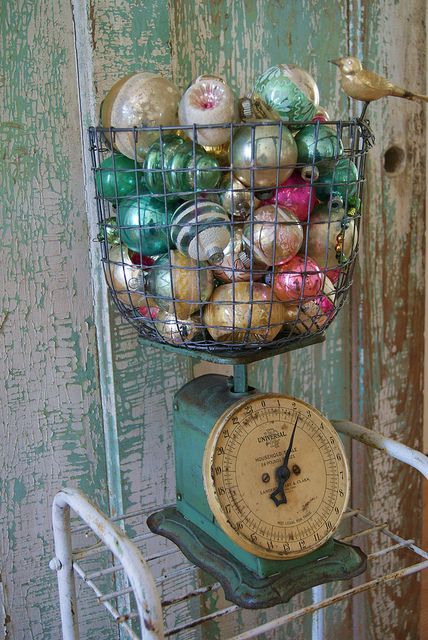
152	591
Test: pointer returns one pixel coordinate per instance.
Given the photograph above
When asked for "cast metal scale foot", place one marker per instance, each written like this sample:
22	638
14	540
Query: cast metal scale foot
243	587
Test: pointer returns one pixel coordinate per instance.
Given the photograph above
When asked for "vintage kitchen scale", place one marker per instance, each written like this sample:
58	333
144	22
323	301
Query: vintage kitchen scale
262	479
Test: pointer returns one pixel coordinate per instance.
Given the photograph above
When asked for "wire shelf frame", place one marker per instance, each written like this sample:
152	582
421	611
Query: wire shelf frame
230	250
153	592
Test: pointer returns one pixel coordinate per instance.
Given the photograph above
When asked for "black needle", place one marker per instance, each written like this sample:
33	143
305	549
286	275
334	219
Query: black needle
283	473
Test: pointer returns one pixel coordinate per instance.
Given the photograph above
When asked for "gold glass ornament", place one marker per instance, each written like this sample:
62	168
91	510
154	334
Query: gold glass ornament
234	308
125	278
237	198
141	99
264	154
179	285
275	234
331	236
173	330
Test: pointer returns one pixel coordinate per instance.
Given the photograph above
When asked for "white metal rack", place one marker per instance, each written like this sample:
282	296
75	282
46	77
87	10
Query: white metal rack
146	584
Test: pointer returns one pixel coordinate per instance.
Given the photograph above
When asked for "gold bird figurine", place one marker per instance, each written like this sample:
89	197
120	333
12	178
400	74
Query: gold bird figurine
366	85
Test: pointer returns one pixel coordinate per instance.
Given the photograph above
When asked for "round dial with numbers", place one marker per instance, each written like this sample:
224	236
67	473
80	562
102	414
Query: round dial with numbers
276	476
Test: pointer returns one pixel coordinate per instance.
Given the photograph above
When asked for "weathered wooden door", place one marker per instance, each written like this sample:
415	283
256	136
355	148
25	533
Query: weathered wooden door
82	403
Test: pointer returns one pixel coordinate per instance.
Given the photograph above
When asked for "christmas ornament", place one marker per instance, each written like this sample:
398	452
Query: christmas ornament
321	115
220	153
173	330
309	173
266	156
330	236
209	100
149	313
241	312
144	225
179	284
109	231
275	234
337	179
141	99
173	167
297	279
201	230
286	92
314	315
118	177
126	279
317	142
236	264
296	195
237	198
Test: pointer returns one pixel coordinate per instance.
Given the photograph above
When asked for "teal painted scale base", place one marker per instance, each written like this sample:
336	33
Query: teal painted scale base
197	407
337	561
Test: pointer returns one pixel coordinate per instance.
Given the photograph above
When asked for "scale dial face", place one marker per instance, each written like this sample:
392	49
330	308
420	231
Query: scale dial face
242	456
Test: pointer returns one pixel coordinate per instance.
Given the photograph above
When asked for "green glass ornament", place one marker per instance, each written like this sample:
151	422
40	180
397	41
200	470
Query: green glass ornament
337	179
317	142
144	225
181	169
286	92
263	154
118	177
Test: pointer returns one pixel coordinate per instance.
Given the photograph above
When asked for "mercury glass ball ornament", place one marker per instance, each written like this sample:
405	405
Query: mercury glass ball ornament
236	198
234	308
297	279
125	278
173	330
267	155
317	142
236	264
337	179
140	100
314	315
331	236
144	225
286	92
201	230
179	285
296	195
118	177
274	233
209	100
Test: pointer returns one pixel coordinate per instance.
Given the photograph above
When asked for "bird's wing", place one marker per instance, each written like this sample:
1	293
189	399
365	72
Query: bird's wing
376	82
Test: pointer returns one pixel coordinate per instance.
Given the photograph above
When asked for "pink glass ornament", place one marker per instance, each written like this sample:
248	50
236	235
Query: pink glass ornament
298	278
296	195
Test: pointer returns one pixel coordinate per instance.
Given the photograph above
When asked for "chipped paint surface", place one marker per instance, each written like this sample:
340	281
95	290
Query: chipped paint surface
50	405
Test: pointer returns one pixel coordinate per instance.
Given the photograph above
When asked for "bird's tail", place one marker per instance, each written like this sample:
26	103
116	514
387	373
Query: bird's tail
408	95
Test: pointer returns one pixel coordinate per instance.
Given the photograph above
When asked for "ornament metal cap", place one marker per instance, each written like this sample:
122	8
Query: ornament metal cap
214	254
245	108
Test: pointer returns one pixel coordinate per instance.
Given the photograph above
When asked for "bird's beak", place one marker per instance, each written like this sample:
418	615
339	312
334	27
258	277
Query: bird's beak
336	62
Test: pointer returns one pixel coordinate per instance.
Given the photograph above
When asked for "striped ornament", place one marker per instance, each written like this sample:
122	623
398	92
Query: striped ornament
201	230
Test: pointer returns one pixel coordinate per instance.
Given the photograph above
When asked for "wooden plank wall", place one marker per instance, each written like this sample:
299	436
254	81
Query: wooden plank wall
51	401
389	301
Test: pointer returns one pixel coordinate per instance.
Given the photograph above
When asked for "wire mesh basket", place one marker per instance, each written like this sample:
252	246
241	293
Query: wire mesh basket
241	248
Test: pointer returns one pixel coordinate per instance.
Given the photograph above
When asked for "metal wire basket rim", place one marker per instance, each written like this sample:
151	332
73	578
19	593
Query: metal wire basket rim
232	125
